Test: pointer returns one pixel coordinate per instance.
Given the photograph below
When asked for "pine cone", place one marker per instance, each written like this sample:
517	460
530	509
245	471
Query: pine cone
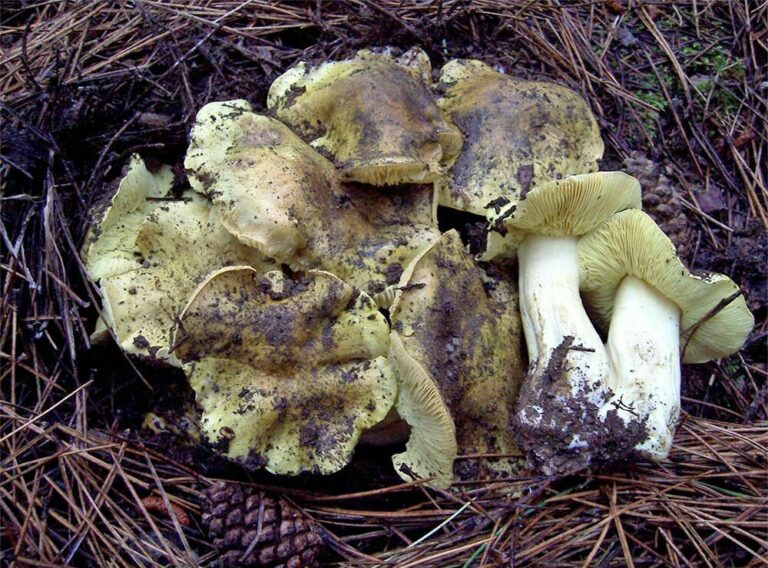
254	528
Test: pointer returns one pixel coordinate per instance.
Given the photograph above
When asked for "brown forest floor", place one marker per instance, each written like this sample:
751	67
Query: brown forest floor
679	89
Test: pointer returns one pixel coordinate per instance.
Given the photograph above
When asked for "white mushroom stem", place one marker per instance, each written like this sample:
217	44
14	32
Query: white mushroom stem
554	320
644	351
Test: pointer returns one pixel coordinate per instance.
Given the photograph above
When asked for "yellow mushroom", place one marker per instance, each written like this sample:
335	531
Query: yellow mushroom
279	195
255	169
655	311
109	247
149	255
457	343
288	370
518	134
373	114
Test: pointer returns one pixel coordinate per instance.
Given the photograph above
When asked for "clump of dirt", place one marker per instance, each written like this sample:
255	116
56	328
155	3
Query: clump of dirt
473	229
563	432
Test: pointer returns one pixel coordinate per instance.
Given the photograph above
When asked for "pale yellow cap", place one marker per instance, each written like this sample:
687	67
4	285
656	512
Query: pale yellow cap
373	114
288	370
715	320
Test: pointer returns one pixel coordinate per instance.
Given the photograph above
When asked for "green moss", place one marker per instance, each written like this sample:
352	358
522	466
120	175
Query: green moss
716	61
721	98
653	98
649	116
703	83
728	102
732	366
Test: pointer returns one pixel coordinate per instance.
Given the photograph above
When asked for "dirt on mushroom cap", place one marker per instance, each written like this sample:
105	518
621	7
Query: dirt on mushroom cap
288	370
284	198
518	134
374	116
110	244
172	246
462	327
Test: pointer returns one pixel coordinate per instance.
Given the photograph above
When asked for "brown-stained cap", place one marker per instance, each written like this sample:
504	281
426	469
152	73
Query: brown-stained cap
460	328
518	134
373	114
715	320
288	370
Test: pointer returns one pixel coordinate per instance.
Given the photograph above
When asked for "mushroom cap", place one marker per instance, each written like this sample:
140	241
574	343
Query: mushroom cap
288	370
459	335
148	253
251	166
178	245
715	320
381	233
570	206
373	114
279	195
518	134
109	246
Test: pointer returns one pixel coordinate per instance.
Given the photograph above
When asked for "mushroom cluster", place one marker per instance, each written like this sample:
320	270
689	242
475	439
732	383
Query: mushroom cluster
303	285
